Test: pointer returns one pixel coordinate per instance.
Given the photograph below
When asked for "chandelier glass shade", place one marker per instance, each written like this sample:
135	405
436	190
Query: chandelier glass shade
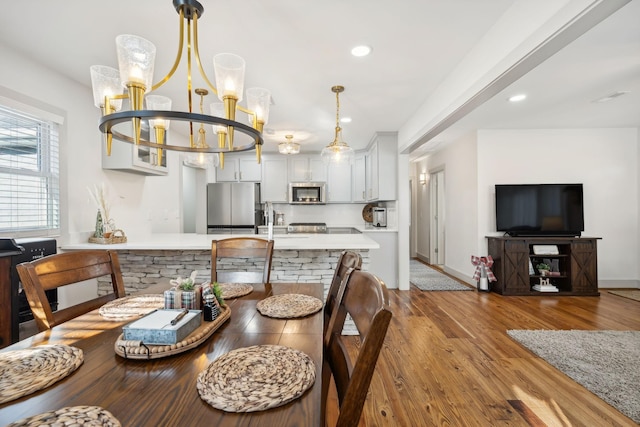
289	147
133	81
337	151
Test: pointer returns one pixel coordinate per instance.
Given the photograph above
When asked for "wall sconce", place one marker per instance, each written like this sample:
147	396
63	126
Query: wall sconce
423	178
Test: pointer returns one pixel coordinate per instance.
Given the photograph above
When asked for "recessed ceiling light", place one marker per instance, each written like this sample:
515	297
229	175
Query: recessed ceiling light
611	96
362	50
517	98
346	120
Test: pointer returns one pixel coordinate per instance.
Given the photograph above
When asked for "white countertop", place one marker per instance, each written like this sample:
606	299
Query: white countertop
192	241
367	228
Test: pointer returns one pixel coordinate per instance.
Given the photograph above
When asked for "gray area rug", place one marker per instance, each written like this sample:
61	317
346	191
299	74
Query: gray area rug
429	279
604	362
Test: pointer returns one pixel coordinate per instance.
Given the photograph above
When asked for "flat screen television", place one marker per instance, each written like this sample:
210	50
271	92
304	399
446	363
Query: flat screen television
540	209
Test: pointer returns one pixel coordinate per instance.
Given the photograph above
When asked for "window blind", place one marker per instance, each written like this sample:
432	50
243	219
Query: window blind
29	172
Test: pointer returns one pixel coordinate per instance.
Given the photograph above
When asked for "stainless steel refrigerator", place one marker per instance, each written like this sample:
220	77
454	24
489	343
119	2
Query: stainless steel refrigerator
233	207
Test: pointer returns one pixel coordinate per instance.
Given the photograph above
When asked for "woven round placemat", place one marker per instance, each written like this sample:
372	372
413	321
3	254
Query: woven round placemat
288	306
256	378
131	306
24	371
235	290
88	416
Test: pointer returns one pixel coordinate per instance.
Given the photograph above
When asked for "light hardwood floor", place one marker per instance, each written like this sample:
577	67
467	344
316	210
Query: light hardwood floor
448	361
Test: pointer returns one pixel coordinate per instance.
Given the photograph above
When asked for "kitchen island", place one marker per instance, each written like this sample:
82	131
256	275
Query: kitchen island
149	260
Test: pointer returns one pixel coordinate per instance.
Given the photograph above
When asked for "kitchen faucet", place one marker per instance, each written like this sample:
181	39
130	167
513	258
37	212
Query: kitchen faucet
268	211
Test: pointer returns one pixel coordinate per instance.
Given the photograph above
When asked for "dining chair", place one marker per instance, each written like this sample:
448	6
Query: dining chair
55	271
366	300
241	260
347	260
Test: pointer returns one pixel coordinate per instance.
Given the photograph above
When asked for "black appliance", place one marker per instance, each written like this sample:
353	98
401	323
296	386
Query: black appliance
307	193
32	249
540	209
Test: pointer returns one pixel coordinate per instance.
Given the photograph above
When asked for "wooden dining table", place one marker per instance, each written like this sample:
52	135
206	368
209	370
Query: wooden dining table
162	392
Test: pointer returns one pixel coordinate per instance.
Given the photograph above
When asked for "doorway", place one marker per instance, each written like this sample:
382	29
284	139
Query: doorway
194	199
437	218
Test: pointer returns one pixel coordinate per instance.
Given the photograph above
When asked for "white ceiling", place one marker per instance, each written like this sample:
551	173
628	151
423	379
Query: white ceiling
299	50
561	92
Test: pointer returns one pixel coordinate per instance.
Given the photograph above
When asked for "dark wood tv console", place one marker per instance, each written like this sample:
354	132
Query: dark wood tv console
576	264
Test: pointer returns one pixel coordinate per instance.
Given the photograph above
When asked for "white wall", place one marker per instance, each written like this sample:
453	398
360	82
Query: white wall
138	203
421	211
459	162
604	160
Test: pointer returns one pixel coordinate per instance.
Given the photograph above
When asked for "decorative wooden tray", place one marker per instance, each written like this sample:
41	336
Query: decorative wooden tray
141	351
114	238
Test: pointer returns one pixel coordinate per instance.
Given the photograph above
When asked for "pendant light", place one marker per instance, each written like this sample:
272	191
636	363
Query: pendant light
289	147
338	151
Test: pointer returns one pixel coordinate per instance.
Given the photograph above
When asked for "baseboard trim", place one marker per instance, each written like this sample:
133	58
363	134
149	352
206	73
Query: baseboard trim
618	284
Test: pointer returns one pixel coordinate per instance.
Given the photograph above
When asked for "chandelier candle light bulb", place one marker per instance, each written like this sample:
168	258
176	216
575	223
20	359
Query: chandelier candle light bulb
107	93
160	126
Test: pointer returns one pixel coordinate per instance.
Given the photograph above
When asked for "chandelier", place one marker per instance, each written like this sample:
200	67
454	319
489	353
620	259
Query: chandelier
338	151
289	147
136	57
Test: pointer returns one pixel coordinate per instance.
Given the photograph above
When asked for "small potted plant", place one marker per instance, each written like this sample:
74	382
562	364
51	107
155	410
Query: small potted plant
217	291
543	268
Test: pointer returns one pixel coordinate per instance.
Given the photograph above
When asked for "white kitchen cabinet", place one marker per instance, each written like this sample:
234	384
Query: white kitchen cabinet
275	182
358	179
133	158
339	183
307	169
371	175
383	262
239	169
382	167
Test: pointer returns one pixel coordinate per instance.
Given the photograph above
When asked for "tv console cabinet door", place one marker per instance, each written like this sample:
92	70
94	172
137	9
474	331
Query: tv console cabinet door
584	267
511	266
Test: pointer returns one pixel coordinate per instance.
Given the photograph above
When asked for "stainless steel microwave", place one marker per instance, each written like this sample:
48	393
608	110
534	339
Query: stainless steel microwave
307	193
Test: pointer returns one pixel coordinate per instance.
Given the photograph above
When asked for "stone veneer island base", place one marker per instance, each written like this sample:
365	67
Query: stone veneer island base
155	259
144	268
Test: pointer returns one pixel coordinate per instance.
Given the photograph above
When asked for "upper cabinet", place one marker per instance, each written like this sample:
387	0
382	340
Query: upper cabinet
275	182
339	183
381	166
371	177
358	179
307	168
133	158
239	169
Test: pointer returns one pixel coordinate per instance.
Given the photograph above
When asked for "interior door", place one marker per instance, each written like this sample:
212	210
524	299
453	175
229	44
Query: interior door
437	215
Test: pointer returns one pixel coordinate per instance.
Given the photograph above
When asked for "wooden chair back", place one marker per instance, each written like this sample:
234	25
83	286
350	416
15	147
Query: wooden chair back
63	269
256	252
347	260
366	300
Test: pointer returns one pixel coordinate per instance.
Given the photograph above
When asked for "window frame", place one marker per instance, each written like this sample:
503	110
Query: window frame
48	164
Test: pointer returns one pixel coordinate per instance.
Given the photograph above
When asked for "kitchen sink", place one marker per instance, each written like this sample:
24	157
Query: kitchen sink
282	232
342	230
